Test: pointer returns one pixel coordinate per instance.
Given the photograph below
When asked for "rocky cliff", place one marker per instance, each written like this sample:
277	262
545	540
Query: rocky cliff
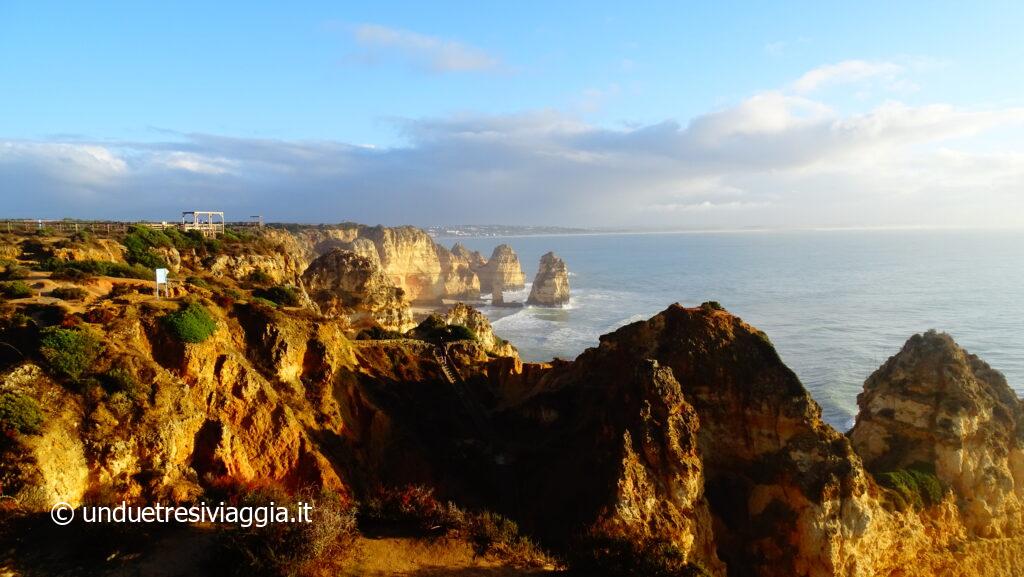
681	438
502	271
551	285
343	283
938	408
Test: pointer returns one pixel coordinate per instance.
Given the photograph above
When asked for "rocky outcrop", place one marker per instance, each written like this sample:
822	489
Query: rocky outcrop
615	461
935	406
460	282
474	320
103	249
502	271
551	285
344	284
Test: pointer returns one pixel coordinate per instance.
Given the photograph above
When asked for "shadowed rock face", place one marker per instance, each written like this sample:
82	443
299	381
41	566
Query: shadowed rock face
551	285
772	466
937	405
609	449
343	283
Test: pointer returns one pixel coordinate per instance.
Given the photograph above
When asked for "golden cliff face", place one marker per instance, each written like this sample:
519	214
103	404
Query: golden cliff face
685	429
934	405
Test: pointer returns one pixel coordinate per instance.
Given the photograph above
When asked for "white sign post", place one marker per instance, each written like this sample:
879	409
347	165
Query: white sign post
161	281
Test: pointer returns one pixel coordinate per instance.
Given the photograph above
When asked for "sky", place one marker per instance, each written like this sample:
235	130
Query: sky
662	115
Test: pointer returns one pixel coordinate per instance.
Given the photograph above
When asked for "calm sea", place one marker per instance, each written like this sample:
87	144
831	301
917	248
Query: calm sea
835	304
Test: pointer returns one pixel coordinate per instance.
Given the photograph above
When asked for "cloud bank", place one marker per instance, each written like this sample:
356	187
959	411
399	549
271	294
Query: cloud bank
775	159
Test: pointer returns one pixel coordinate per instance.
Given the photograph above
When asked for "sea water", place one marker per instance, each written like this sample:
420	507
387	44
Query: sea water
836	304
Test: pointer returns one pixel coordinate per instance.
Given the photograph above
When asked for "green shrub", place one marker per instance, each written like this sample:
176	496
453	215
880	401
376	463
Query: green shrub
197	281
616	557
192	324
69	352
712	306
13	270
262	302
139	242
283	295
69	293
916	486
259	276
16	290
20	413
434	329
376	333
82	269
121	381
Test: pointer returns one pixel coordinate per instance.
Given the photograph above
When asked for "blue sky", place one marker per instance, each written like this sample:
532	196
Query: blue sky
671	115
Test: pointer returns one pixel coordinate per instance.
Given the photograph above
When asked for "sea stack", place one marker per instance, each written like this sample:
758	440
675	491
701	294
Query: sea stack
502	271
551	285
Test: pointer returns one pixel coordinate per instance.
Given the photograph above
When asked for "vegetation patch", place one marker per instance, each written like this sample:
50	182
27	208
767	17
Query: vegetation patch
286	296
69	352
16	290
20	413
83	269
377	333
916	486
259	276
69	293
138	244
603	556
192	324
119	380
415	510
712	306
433	329
279	549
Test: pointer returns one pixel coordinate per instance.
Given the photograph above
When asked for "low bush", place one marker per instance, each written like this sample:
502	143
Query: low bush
119	380
192	324
287	296
138	244
916	486
69	352
13	271
434	329
261	302
415	509
69	293
16	290
712	306
279	549
197	281
82	269
376	333
20	413
259	276
615	557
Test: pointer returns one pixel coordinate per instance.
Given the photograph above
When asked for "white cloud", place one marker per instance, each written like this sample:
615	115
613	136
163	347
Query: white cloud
845	72
428	52
774	159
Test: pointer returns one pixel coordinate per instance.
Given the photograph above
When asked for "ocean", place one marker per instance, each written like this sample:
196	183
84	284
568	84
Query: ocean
836	304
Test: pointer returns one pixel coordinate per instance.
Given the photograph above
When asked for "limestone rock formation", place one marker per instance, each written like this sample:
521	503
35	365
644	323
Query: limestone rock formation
551	285
103	249
618	460
937	406
460	282
474	320
502	270
473	258
343	283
